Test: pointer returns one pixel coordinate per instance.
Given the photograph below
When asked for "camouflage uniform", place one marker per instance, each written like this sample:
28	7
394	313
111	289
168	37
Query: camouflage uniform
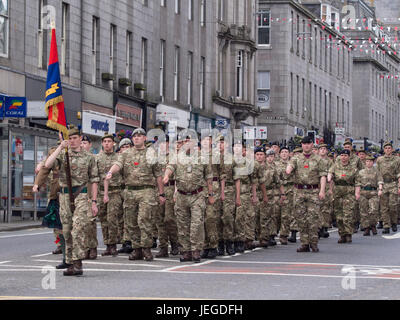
307	172
110	214
257	209
344	177
139	171
244	227
326	204
228	205
368	180
269	212
75	224
288	220
190	206
91	232
166	220
389	167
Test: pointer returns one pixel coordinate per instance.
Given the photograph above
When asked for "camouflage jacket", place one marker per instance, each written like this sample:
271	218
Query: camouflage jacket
369	178
389	167
307	170
83	168
104	162
139	167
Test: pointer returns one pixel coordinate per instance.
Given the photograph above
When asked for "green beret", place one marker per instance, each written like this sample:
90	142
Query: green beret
108	135
72	130
388	144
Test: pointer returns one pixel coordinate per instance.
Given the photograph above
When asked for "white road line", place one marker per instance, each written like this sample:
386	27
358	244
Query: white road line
112	264
155	259
3	262
25	235
188	265
393	236
42	255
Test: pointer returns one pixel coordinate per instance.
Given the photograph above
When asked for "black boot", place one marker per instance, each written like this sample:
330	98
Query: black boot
386	231
212	253
334	224
204	255
320	233
272	241
221	248
325	232
126	247
394	227
63	265
240	247
229	248
154	243
380	225
292	238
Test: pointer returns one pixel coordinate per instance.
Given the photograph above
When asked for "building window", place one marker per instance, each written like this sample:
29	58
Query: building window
297	35
291	92
239	74
95	48
64	38
177	6
303	97
128	58
315	103
145	3
4	28
264	27
143	68
190	9
163	3
42	49
316	46
176	74
297	94
321	49
303	55
221	10
292	31
189	77
202	13
162	69
112	47
263	89
202	81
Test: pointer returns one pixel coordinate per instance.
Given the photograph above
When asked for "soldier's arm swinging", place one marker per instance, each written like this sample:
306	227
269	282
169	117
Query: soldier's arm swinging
289	169
237	186
358	190
223	190
160	185
95	210
323	186
254	192
167	174
264	192
211	198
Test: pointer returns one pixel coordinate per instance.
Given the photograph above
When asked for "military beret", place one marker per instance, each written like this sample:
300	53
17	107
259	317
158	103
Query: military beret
370	157
348	141
388	144
323	146
345	152
259	149
307	139
275	143
270	152
284	148
108	135
125	141
72	130
140	131
86	138
362	150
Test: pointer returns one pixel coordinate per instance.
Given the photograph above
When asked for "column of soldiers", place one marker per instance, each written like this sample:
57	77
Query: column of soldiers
207	199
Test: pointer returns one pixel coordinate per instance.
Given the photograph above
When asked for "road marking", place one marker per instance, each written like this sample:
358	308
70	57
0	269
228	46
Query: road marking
155	259
391	237
3	262
113	264
25	235
188	265
41	255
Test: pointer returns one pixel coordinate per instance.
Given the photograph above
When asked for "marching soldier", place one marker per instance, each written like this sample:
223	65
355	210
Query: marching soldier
288	221
268	176
190	176
140	172
212	213
166	220
260	157
110	197
310	182
326	204
75	223
369	187
91	235
344	175
389	167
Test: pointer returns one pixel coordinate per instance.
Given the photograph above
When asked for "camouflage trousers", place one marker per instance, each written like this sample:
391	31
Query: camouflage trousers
269	216
369	202
344	209
306	209
288	221
325	212
91	236
244	225
257	212
75	225
138	207
212	219
110	216
228	214
190	211
57	234
166	220
388	204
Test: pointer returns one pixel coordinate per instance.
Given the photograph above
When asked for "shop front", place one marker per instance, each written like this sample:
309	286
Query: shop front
22	148
172	119
128	117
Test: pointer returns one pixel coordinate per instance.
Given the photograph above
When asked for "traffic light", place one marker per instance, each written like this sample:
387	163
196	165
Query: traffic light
366	144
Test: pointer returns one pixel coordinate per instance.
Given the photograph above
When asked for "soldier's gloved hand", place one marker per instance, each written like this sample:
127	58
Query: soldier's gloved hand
106	199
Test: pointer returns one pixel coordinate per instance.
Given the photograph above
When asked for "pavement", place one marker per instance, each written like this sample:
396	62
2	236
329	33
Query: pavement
19	225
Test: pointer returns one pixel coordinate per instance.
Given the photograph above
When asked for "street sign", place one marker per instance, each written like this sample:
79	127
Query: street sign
340	131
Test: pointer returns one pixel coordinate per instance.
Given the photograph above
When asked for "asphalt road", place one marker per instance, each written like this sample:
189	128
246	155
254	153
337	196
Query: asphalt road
369	268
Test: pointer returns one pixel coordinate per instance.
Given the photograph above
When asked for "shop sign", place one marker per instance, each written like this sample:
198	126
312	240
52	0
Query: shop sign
15	107
97	125
129	115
